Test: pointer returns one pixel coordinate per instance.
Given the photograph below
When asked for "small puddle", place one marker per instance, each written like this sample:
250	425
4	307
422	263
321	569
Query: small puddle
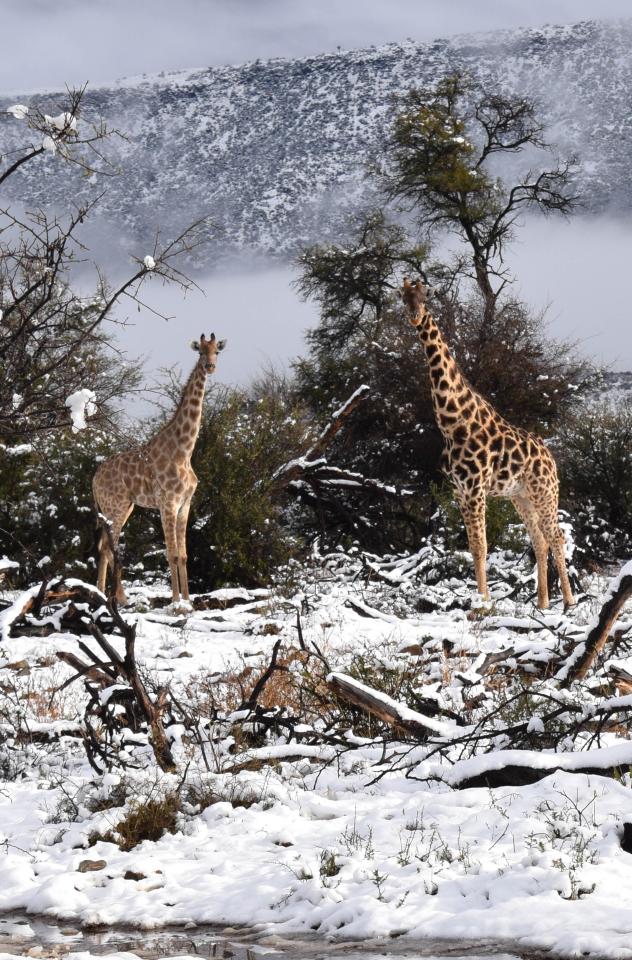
30	936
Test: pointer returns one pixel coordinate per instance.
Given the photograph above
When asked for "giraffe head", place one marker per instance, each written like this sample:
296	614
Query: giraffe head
414	295
208	350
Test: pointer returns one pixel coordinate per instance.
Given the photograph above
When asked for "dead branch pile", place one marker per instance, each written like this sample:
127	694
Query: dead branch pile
564	698
126	711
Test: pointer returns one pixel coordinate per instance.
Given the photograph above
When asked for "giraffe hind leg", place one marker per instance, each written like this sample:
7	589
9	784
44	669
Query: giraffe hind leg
547	517
114	520
529	516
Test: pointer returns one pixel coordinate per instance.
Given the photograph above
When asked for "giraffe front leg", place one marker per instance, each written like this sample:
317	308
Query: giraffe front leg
168	516
181	540
472	508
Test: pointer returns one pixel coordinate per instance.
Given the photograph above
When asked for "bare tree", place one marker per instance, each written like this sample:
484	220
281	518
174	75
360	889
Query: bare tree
53	340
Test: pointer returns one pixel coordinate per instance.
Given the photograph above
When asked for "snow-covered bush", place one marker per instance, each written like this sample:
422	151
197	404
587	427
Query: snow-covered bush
47	518
595	453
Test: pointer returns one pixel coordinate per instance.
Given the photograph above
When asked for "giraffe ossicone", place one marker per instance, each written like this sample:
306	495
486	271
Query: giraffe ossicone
157	474
488	457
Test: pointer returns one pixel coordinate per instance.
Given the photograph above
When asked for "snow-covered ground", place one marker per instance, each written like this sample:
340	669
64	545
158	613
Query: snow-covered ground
344	842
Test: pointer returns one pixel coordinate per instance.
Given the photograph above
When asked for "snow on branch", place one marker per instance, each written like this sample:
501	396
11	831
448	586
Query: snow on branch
293	469
395	714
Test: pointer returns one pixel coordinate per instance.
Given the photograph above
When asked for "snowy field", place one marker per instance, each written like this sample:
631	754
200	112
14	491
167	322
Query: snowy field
346	839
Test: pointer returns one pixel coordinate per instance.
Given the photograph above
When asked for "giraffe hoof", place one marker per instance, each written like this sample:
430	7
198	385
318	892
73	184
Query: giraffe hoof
180	607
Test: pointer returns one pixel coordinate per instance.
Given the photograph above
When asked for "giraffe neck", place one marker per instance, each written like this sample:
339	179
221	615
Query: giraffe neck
181	432
453	399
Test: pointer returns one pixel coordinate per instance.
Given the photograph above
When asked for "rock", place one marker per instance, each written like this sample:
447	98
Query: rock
86	866
133	875
626	839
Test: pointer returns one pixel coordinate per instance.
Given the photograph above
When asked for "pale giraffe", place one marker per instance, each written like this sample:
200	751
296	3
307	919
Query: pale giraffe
157	474
486	456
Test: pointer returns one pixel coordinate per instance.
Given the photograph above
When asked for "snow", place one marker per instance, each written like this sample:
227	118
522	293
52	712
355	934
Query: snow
62	122
81	404
19	111
150	263
317	839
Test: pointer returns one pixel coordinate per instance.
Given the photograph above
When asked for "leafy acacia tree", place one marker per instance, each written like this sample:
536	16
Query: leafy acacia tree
439	166
443	146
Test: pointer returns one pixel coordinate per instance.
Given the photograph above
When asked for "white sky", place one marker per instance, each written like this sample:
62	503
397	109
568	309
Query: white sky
51	43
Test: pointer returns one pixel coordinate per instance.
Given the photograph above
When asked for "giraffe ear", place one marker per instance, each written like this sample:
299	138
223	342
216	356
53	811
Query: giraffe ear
195	345
221	344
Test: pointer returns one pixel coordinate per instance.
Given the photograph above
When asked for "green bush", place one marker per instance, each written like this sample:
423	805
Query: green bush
236	534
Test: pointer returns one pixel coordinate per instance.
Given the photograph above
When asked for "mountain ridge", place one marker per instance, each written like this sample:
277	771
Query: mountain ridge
276	151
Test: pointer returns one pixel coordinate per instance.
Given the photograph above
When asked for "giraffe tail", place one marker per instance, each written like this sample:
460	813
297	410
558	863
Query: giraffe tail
100	527
105	552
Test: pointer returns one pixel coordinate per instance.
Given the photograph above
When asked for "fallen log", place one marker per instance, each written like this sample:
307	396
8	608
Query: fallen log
395	714
516	768
577	665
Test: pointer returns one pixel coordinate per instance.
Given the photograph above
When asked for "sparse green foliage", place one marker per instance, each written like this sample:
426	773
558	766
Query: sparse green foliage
329	866
148	819
442	142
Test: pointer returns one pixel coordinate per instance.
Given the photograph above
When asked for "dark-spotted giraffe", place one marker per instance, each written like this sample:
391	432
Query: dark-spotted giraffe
158	474
487	457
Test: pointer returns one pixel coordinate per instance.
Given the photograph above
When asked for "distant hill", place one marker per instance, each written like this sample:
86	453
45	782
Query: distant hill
277	151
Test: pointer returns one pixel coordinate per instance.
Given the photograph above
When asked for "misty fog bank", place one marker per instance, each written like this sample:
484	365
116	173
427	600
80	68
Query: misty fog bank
580	269
577	270
256	310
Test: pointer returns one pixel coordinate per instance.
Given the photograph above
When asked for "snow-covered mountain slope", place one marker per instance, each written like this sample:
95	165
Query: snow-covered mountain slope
277	151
